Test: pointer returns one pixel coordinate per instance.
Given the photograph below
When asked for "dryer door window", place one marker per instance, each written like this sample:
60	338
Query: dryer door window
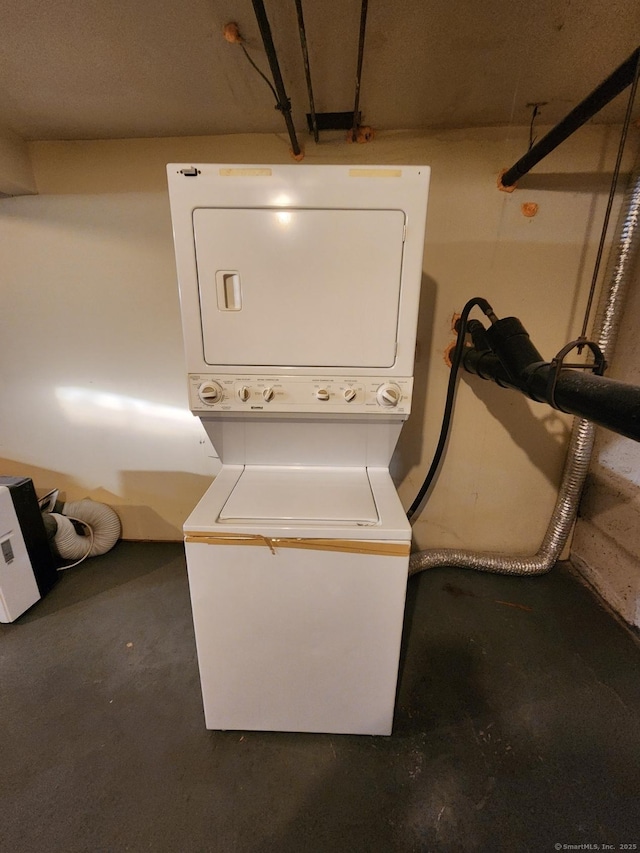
299	288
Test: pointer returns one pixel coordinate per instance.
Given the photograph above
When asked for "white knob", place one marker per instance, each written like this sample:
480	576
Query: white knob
268	394
322	394
349	395
210	392
388	396
244	393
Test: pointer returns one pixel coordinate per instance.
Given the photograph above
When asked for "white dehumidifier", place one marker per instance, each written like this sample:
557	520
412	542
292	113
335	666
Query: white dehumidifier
27	568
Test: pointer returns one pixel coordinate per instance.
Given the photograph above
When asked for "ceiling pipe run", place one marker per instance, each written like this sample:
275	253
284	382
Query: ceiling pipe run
307	69
616	284
615	83
284	103
356	106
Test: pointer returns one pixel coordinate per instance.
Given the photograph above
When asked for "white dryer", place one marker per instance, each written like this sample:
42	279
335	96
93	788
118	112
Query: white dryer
299	291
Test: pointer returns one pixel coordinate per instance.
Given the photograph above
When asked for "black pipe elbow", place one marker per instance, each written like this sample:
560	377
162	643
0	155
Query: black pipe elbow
510	341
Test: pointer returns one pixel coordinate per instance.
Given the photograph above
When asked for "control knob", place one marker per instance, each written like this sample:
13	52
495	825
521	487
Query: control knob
244	393
268	394
322	394
349	395
210	392
388	396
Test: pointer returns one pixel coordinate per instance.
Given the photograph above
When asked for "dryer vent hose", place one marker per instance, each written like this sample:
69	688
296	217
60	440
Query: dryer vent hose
101	522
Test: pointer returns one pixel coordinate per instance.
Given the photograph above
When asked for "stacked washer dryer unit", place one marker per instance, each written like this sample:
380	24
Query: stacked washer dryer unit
299	291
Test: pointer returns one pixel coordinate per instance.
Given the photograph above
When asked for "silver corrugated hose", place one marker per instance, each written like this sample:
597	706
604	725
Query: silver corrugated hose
621	259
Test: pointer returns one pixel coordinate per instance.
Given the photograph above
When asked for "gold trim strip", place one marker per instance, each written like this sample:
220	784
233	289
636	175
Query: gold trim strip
375	173
345	546
245	173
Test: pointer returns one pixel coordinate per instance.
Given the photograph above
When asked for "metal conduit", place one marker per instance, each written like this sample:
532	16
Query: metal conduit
307	69
616	282
363	30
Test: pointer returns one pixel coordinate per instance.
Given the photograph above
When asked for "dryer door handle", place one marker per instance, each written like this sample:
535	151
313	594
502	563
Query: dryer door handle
229	290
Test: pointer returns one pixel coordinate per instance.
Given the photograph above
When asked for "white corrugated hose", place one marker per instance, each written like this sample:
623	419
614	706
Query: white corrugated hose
101	522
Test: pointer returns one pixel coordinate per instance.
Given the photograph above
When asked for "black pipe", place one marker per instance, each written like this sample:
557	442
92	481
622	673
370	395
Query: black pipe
615	83
363	28
505	354
284	104
307	69
607	402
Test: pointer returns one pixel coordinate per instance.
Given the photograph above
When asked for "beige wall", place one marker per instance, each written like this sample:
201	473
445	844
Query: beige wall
93	380
16	173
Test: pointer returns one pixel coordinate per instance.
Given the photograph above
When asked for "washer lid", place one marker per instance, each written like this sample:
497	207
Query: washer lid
321	495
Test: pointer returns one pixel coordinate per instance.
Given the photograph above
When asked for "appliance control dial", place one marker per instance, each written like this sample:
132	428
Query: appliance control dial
388	396
210	393
244	393
268	394
349	395
322	394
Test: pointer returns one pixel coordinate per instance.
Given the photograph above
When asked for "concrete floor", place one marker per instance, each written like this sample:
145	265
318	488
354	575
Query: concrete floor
517	727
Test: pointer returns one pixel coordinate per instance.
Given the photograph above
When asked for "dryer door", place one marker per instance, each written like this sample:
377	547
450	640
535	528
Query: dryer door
299	288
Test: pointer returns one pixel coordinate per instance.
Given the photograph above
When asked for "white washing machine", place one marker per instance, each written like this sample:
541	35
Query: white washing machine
299	291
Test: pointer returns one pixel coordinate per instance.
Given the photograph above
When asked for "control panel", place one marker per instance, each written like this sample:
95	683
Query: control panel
303	394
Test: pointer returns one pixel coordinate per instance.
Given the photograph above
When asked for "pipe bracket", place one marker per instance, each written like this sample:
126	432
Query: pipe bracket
558	363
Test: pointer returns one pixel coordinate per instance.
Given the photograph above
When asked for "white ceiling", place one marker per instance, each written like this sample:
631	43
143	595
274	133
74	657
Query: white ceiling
88	69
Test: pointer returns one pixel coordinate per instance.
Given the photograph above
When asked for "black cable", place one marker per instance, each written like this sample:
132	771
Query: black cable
264	77
451	390
532	139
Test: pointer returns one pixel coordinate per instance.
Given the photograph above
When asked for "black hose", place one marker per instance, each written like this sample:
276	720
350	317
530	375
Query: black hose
451	390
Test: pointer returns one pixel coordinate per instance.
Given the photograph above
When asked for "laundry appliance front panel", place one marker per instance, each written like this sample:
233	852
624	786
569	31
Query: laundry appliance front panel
299	293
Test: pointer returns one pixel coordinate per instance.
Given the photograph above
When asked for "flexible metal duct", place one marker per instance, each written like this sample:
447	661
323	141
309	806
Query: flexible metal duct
621	260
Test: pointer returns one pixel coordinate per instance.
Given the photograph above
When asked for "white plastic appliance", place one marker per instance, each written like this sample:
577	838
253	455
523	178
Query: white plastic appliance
299	291
27	568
